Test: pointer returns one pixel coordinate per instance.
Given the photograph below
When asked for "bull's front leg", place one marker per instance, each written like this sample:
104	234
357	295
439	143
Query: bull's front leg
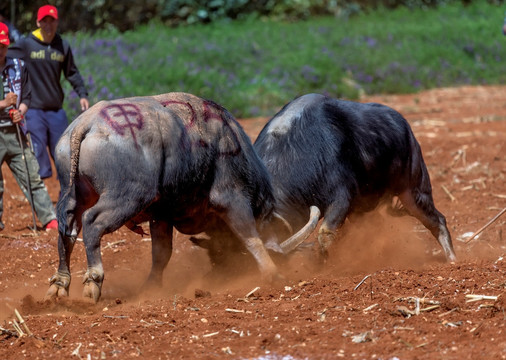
334	218
326	237
161	251
267	267
59	283
241	221
235	209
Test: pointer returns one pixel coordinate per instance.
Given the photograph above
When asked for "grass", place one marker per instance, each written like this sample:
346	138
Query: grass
253	67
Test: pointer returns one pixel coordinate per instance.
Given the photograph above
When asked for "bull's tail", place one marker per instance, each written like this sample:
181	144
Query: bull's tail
67	202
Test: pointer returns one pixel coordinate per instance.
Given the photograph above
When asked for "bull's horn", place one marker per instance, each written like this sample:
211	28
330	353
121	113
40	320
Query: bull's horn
295	240
283	220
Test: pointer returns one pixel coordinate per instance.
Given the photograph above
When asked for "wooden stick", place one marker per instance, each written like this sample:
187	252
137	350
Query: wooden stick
473	298
412	299
482	306
22	322
370	307
63	337
234	310
476	327
417	306
430	308
18	328
211	334
360	283
486	225
452	198
501	196
448	312
252	292
76	351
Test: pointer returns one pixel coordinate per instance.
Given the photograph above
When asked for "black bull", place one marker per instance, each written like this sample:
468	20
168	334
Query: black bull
174	160
344	158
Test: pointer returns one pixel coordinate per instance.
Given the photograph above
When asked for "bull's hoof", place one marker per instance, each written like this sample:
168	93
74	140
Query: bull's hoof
321	255
325	240
55	291
58	286
92	281
451	257
275	279
278	280
150	287
92	291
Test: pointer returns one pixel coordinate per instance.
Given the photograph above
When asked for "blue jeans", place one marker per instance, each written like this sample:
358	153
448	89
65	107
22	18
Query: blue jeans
45	128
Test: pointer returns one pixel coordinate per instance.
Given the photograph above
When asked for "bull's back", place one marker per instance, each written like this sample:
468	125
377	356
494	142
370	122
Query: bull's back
316	147
382	145
221	152
119	142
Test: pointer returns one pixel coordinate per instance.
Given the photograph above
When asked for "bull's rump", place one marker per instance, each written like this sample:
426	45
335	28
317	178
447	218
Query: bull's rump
117	142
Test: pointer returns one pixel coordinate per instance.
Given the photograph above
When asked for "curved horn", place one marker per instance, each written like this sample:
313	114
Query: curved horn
295	240
283	220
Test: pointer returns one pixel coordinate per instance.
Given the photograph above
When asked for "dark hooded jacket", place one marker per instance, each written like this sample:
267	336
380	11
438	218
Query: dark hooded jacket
45	64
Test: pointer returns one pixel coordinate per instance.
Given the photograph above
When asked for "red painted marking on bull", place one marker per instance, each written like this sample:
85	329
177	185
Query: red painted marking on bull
123	117
208	114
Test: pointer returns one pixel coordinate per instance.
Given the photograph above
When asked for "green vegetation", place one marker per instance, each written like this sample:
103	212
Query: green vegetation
254	66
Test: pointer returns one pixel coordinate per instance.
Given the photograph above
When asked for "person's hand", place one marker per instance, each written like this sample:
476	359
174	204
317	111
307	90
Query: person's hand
11	99
16	115
85	105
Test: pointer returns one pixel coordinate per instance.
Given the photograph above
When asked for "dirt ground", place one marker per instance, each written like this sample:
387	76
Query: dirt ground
386	292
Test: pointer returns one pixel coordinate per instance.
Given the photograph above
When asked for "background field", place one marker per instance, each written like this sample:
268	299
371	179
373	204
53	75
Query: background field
253	67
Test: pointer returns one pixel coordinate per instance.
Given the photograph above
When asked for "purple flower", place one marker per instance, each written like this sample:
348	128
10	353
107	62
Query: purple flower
371	42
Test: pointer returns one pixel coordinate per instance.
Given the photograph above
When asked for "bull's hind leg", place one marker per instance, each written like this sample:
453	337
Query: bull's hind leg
106	216
59	283
161	251
421	205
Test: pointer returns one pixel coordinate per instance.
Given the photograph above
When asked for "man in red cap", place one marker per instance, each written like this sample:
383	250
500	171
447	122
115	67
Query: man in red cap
15	97
48	56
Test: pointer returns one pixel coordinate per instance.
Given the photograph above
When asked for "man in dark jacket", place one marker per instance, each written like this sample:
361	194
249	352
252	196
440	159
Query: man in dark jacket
15	95
47	56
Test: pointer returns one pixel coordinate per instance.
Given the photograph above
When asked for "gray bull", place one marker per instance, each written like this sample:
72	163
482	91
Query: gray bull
174	160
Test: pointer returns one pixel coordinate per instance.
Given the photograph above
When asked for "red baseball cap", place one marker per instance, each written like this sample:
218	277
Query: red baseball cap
47	10
4	34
